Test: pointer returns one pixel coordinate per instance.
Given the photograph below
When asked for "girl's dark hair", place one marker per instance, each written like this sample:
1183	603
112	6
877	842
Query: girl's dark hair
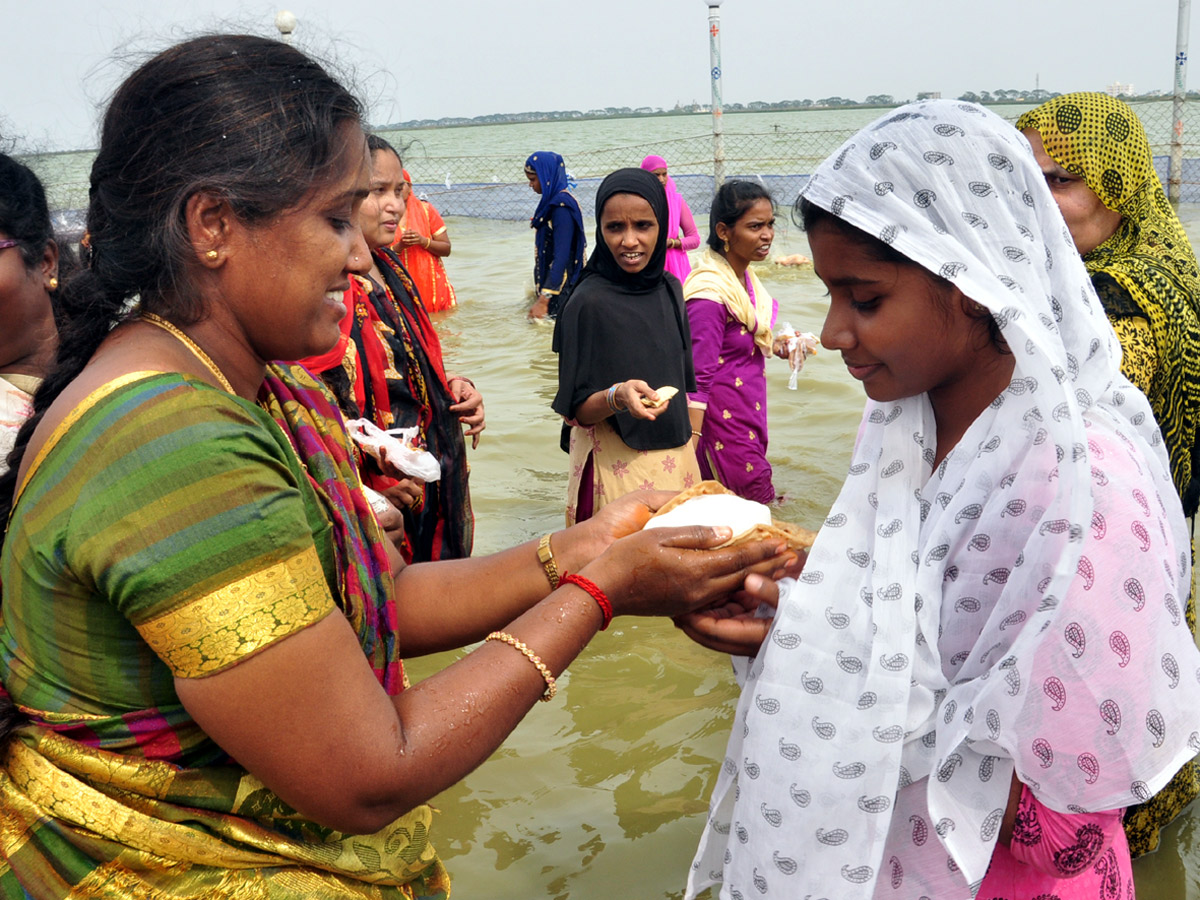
808	215
732	200
248	119
24	215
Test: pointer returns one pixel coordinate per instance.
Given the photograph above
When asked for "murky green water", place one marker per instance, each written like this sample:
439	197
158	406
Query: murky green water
603	792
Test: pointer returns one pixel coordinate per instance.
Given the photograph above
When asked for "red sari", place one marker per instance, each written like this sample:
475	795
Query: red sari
387	367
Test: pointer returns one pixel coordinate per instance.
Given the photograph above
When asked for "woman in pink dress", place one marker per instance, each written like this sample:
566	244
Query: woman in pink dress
679	216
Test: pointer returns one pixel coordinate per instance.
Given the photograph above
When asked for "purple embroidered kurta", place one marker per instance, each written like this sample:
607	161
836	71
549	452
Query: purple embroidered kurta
731	383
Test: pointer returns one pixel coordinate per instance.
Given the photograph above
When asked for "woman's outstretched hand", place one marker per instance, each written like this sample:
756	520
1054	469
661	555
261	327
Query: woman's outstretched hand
733	626
676	571
624	516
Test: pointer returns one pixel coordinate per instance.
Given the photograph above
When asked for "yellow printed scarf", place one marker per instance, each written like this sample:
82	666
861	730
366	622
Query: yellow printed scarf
1101	139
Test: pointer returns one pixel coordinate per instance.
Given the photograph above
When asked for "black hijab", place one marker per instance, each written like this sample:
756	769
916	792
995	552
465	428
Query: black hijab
617	326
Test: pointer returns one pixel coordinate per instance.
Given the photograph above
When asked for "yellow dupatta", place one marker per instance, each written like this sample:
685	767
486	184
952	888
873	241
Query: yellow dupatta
714	279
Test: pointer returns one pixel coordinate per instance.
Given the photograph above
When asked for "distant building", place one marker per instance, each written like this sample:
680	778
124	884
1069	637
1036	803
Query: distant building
1117	89
929	95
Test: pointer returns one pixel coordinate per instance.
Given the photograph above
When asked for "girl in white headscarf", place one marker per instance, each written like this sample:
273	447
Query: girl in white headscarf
984	659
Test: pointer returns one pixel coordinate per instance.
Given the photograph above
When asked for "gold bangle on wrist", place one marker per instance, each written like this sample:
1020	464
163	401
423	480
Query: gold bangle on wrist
522	648
546	558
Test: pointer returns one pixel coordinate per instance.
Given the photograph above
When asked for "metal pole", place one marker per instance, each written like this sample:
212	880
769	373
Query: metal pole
1175	169
714	56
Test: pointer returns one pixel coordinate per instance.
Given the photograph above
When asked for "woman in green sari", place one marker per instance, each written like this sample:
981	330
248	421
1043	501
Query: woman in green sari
202	628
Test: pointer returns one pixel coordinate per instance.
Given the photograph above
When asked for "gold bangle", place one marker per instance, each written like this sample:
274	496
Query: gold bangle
546	558
520	647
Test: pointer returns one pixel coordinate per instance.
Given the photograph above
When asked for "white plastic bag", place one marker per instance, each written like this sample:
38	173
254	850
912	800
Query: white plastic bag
398	446
800	346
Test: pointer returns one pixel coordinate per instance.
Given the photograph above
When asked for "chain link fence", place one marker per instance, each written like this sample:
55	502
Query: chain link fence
483	186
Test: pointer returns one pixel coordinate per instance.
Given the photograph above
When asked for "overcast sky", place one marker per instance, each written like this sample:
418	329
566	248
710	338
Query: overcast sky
59	59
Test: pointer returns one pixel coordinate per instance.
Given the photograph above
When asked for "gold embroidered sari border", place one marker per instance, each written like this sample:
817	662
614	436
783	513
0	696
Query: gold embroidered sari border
243	617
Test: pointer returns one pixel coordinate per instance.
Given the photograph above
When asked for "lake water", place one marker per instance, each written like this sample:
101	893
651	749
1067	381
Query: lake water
603	792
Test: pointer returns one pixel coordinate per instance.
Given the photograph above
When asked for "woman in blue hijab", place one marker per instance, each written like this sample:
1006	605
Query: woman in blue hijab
559	244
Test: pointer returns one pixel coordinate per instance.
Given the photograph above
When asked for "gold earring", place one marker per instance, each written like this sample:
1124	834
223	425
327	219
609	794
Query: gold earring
212	254
53	283
726	246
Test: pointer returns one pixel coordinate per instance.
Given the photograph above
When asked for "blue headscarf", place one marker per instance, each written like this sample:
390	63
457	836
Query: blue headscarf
551	172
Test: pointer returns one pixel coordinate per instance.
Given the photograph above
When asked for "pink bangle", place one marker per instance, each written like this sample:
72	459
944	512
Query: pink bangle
596	594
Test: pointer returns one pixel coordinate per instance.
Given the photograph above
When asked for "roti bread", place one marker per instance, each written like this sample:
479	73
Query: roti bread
664	394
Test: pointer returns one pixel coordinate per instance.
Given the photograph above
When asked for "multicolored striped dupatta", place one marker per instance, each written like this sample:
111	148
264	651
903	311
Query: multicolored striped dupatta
304	410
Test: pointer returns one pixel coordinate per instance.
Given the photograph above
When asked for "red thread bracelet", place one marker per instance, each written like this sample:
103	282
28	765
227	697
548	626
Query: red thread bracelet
596	594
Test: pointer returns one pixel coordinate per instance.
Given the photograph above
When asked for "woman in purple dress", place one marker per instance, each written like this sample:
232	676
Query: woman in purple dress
731	316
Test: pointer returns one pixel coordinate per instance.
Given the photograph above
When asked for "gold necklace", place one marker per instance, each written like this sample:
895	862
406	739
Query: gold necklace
191	345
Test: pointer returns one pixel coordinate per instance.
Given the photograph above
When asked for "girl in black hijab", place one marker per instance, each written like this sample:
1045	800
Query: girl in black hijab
621	338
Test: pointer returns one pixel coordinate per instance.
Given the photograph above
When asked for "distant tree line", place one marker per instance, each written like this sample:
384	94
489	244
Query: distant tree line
681	109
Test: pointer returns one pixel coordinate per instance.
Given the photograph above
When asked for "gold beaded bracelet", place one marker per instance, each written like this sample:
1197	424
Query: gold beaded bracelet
519	646
546	558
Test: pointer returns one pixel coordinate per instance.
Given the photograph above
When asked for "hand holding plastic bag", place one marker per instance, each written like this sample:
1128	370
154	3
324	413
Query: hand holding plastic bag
800	345
395	447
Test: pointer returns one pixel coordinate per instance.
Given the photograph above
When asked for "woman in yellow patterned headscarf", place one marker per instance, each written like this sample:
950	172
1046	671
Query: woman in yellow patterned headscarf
1098	164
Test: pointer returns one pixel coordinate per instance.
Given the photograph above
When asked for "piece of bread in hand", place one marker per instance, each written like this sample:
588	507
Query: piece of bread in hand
664	394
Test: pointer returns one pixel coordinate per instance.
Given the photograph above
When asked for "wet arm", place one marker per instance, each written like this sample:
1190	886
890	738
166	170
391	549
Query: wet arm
291	712
450	603
439	242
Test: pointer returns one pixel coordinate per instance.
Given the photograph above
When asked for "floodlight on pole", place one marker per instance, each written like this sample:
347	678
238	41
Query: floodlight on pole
286	23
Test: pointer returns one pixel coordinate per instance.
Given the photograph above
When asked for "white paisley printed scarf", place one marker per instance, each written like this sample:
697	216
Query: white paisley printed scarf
1019	608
